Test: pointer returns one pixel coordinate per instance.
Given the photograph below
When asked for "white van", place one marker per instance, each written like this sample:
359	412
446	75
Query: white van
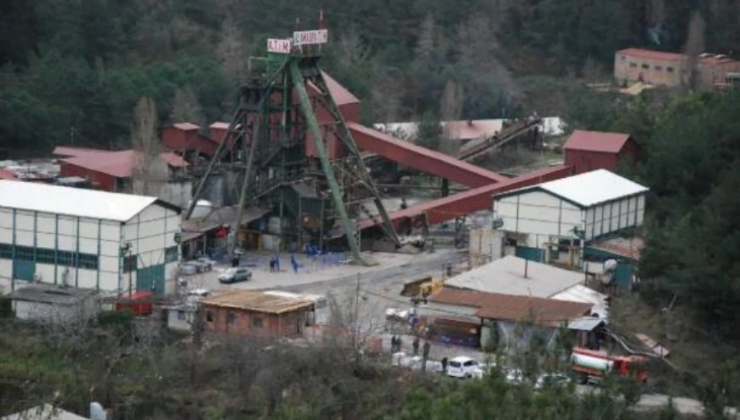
462	367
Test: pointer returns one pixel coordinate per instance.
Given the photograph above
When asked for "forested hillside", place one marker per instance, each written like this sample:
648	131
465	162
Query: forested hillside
72	70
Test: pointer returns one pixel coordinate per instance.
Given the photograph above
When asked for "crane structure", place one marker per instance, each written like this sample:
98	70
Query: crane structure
283	158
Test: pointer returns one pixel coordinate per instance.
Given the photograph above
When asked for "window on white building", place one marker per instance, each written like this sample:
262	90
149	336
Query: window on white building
130	263
170	254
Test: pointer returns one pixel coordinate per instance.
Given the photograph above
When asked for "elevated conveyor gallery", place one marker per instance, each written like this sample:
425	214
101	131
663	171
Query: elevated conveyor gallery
481	146
421	158
448	208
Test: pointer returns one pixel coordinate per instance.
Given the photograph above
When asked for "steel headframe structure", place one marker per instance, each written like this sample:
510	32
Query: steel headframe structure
266	145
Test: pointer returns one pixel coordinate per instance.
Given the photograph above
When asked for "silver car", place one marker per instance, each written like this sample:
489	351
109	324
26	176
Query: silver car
235	275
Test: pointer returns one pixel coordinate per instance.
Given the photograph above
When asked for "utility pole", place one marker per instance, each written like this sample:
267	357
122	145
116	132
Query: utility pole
356	334
130	277
357	299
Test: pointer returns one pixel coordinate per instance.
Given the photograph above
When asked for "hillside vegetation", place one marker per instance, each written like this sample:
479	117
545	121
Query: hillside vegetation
73	70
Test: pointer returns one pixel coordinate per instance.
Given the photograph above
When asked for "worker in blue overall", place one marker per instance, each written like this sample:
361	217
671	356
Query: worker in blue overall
294	263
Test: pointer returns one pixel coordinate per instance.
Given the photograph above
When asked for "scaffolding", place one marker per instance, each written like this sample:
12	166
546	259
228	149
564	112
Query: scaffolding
265	147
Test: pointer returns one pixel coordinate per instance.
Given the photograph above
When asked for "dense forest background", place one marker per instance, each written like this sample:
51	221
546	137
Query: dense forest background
71	71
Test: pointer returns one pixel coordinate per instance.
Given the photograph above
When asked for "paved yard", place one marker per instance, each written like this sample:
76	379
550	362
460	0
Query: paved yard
315	274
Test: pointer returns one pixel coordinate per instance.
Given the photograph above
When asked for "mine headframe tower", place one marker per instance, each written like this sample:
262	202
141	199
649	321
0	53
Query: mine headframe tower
266	145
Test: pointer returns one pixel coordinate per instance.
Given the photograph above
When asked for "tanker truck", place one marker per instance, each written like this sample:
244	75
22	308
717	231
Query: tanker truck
593	366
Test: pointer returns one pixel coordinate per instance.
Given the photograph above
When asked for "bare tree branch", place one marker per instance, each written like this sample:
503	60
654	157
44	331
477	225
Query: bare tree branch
694	47
185	107
231	51
149	167
451	106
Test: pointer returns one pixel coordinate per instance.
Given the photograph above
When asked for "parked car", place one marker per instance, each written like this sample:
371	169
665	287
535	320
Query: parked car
235	275
552	380
462	367
206	263
514	376
188	269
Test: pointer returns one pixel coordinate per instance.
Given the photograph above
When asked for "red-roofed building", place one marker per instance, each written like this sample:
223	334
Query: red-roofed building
106	169
671	69
218	130
185	138
5	174
590	150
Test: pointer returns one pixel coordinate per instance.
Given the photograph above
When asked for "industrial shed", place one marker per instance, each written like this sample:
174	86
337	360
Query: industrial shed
257	314
54	304
87	239
549	222
587	151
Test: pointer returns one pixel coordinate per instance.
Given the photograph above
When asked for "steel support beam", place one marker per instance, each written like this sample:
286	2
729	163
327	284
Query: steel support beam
349	143
313	126
220	150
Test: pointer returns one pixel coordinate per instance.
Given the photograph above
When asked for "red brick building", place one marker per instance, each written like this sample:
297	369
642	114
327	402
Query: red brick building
586	151
106	170
218	131
256	314
672	69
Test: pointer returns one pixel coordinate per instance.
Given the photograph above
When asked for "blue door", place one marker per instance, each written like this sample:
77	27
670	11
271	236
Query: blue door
150	279
24	270
529	253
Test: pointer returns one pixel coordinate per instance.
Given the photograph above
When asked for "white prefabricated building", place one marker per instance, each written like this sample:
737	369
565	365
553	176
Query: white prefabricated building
86	238
546	219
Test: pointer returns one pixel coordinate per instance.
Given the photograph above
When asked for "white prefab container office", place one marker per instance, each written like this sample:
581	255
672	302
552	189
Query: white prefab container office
544	222
87	239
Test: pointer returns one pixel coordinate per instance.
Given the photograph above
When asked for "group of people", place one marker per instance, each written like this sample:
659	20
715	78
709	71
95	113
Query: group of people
275	264
397	346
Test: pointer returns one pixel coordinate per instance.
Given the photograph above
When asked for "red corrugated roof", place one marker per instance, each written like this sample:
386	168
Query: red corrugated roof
174	160
628	248
5	174
468	130
513	308
654	55
75	151
341	95
596	141
119	164
714	60
711	59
